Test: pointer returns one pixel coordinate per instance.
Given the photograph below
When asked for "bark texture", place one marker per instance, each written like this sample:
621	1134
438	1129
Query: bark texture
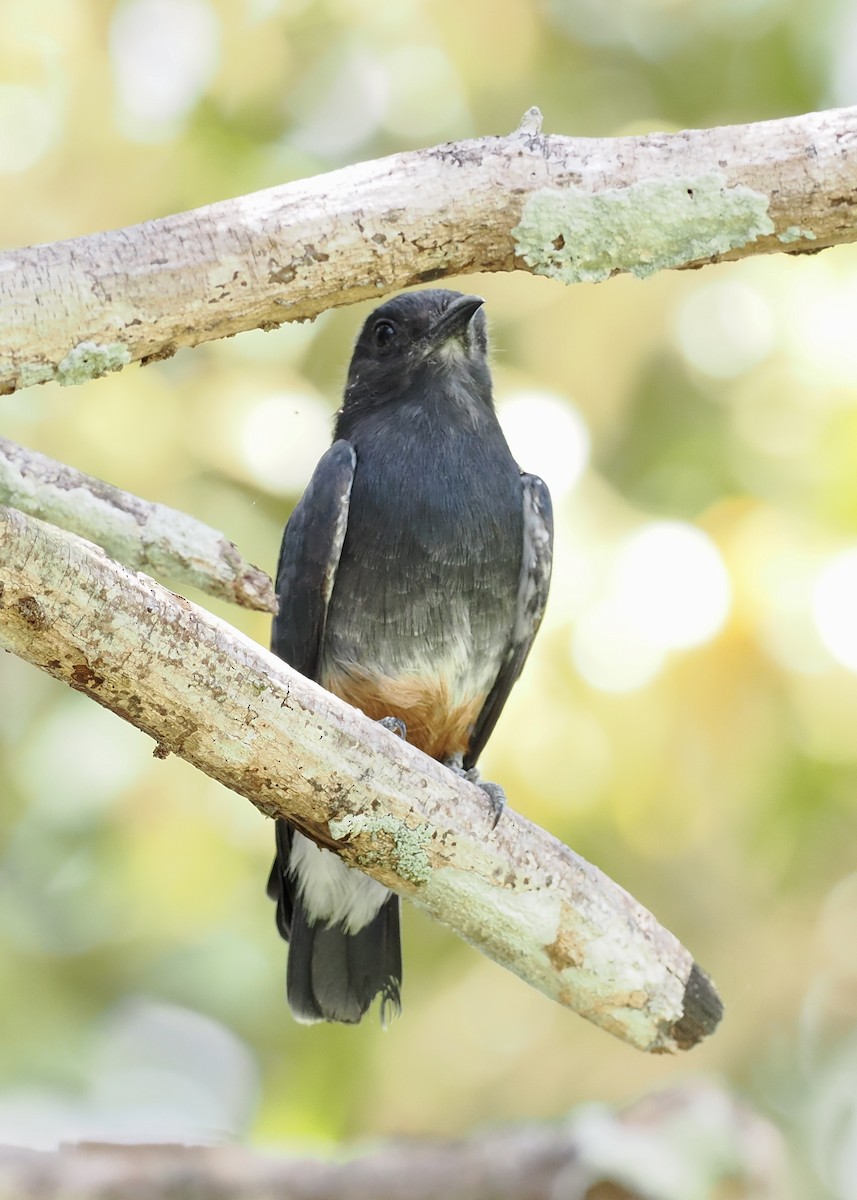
139	533
207	693
571	208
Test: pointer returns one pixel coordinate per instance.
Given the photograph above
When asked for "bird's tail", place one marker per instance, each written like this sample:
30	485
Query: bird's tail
334	974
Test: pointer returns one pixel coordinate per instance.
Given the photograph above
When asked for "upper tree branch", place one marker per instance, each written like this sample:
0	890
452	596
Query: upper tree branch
207	693
573	208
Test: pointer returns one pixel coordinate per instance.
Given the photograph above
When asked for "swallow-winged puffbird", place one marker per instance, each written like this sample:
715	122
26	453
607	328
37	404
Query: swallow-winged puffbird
412	579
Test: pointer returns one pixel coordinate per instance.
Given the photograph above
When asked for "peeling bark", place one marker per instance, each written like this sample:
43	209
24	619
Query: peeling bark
571	208
205	692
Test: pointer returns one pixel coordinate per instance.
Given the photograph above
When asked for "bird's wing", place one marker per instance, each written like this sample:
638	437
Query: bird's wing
537	553
309	558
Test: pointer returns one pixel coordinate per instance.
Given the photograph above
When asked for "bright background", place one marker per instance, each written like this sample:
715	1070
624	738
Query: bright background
688	720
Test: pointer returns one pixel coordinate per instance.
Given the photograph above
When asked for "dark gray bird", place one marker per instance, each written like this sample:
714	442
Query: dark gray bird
412	579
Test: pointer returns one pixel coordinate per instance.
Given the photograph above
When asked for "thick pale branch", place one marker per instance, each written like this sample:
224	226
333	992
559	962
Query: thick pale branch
571	208
595	1150
205	692
139	533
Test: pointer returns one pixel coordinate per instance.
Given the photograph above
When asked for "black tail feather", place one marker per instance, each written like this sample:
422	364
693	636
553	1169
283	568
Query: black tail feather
334	975
279	889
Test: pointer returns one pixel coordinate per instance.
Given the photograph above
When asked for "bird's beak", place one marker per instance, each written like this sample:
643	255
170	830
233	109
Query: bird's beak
453	322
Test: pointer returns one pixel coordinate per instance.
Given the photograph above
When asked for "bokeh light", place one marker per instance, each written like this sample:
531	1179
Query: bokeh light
776	571
163	54
610	653
834	606
725	329
282	438
29	126
342	102
668	590
425	94
671	585
547	436
109	758
819	318
159	1073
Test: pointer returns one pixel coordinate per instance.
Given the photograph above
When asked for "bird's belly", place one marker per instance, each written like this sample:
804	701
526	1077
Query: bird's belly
432	666
438	722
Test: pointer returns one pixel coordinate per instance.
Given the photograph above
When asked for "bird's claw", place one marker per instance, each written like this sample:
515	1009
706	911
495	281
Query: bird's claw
496	795
396	726
496	800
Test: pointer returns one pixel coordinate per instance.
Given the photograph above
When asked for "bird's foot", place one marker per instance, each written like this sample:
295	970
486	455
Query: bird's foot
496	795
399	728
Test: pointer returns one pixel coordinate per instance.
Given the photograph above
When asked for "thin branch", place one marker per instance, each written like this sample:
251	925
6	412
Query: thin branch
571	208
139	533
592	1152
236	712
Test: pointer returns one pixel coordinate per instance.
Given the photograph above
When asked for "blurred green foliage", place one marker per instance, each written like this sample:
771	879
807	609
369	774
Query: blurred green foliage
142	979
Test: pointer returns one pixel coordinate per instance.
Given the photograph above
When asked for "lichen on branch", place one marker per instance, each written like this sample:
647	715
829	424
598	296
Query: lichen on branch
575	208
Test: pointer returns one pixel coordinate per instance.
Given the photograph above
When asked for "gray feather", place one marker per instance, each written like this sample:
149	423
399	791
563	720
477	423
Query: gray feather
531	598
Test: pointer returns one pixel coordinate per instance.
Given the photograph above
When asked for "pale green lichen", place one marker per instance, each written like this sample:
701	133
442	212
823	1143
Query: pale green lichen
89	360
410	858
33	373
794	233
579	236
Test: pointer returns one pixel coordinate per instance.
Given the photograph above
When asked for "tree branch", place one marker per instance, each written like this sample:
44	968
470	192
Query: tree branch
139	533
236	712
571	208
651	1148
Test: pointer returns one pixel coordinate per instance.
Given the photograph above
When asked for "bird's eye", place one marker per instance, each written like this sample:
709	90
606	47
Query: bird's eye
384	332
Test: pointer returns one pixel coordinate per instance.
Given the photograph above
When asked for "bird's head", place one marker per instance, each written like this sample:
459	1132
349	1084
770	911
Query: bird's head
435	339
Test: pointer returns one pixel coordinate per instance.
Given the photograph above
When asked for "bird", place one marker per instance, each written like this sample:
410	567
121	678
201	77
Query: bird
412	578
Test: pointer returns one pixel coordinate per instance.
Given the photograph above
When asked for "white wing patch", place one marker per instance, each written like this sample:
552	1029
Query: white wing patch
536	559
330	891
338	540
